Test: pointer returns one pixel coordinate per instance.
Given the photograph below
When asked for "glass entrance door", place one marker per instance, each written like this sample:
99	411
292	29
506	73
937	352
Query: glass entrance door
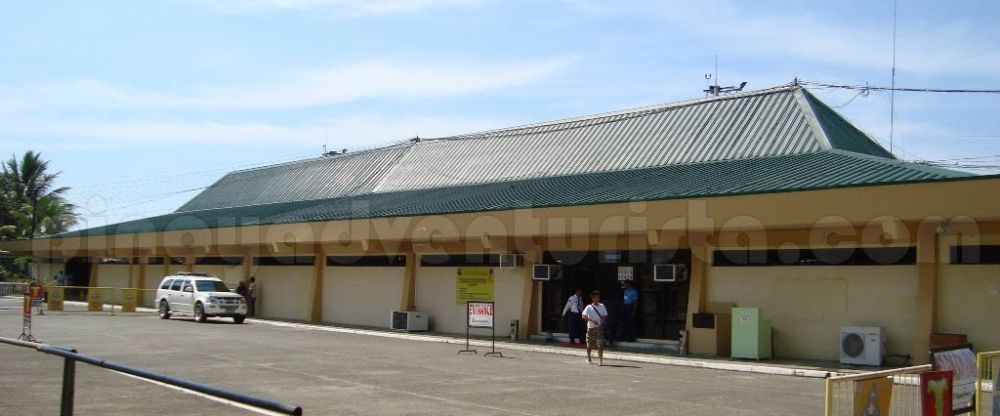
662	306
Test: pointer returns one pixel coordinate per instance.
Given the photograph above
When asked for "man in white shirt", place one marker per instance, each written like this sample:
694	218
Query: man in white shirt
572	310
595	314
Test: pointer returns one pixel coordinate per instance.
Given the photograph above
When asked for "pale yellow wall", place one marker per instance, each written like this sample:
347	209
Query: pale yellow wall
112	275
808	304
435	295
284	292
154	274
968	302
229	274
47	271
968	297
361	295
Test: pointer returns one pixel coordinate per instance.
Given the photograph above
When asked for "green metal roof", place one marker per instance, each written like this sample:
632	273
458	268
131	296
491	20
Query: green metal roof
840	132
771	122
798	172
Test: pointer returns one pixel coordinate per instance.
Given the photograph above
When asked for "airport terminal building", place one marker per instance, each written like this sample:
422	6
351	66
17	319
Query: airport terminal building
766	199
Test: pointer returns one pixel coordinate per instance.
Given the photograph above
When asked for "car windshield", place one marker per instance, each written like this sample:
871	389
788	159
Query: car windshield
211	286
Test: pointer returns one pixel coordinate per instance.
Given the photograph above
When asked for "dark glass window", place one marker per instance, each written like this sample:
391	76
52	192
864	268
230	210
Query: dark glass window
367	261
865	256
466	260
975	254
219	261
284	261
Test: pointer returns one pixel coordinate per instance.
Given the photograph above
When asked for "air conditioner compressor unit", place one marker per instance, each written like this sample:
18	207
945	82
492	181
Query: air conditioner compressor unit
408	321
862	345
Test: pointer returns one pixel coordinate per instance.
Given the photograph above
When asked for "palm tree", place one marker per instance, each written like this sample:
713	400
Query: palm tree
55	215
31	202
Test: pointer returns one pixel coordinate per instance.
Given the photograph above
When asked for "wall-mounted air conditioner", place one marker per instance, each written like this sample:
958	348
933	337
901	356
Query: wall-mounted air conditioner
511	260
408	321
862	345
665	272
543	272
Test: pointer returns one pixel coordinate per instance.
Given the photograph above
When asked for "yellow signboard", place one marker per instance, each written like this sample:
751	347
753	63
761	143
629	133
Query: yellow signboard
56	297
474	284
95	300
872	397
128	299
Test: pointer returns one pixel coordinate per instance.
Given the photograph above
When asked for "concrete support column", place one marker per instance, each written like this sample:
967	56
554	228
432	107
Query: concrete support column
247	263
142	273
319	267
698	289
189	263
95	262
409	295
166	262
925	316
131	269
528	309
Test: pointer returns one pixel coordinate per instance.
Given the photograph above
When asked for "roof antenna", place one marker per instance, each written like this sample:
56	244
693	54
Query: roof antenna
326	139
892	89
714	90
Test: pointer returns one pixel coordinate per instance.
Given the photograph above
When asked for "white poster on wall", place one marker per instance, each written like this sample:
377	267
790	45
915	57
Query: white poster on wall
962	362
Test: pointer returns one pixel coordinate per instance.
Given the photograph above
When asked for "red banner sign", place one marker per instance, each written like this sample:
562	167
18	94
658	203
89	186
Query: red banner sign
936	393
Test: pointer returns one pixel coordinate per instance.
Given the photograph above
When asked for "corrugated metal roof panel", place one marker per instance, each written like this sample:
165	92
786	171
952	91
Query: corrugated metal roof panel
808	171
778	121
764	123
320	178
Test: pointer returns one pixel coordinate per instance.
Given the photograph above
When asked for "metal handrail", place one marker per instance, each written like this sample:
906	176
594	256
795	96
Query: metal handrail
984	361
69	372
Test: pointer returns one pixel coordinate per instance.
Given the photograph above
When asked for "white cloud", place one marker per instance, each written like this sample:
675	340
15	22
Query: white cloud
349	8
352	131
300	89
378	79
947	47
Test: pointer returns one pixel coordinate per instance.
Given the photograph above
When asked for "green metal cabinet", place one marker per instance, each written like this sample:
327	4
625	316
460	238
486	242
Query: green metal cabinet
751	334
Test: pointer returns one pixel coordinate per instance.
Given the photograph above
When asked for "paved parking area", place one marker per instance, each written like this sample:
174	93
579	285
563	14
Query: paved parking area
349	374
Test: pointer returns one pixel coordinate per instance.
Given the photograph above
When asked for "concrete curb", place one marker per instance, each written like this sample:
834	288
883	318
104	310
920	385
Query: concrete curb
620	356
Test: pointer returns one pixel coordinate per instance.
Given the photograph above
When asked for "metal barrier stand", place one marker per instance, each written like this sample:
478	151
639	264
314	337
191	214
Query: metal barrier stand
69	380
984	363
829	408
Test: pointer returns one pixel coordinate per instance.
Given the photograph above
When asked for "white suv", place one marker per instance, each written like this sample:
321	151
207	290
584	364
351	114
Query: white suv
199	295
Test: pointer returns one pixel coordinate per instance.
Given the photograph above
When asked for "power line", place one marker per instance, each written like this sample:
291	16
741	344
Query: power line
828	85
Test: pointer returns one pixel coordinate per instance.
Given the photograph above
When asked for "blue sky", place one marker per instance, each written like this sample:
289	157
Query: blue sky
142	103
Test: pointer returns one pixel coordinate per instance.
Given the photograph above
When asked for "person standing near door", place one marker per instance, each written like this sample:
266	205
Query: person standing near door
630	299
595	314
571	312
252	297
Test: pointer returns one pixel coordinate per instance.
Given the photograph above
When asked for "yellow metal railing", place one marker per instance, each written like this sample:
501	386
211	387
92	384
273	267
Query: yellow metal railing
840	390
986	385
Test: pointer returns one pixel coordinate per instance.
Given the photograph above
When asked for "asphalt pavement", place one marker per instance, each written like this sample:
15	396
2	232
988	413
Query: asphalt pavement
341	373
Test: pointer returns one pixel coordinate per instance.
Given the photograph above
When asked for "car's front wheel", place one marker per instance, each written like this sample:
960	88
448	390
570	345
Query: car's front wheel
199	313
239	318
164	310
